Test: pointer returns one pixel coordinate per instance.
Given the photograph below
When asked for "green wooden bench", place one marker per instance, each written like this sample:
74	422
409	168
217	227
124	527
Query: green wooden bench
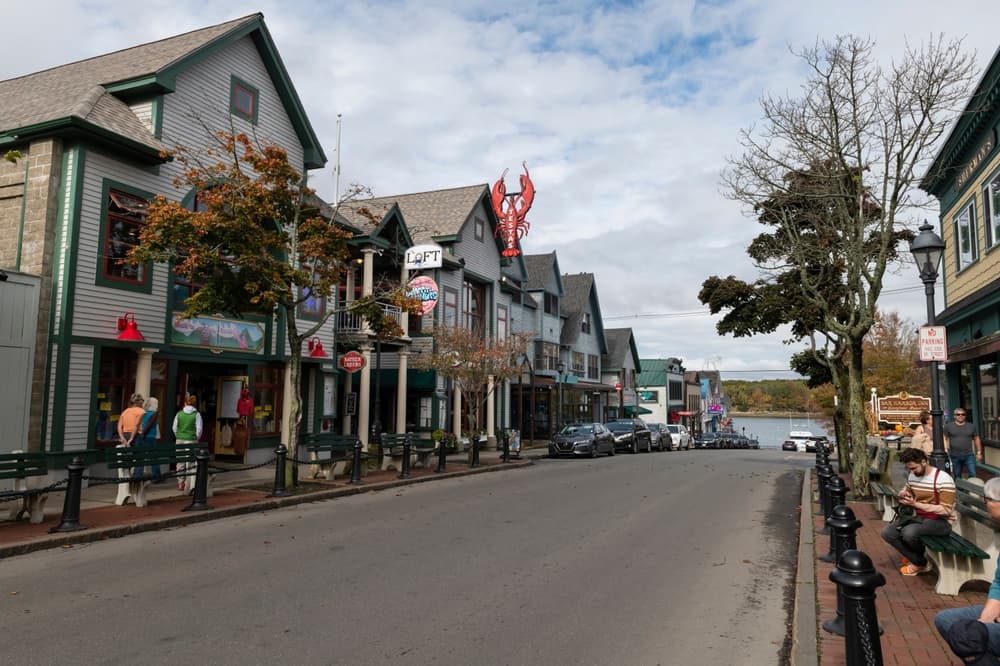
886	499
329	452
961	555
125	459
20	466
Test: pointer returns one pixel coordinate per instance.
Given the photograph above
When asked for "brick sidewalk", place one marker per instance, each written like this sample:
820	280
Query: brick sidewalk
906	605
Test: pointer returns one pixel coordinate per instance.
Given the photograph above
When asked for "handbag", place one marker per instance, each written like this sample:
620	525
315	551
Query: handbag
905	515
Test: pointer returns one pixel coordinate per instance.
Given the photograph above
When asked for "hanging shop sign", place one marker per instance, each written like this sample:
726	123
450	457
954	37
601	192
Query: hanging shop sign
352	361
420	257
512	209
424	288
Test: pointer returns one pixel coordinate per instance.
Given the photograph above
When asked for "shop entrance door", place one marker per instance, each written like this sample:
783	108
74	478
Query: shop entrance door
226	417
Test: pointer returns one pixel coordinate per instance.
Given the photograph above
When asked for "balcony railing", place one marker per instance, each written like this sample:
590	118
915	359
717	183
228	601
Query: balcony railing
348	322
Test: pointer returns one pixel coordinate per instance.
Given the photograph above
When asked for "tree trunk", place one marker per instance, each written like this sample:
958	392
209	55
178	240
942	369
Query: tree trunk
858	424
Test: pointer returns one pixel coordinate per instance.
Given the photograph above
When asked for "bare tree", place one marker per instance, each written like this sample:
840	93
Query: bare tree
855	143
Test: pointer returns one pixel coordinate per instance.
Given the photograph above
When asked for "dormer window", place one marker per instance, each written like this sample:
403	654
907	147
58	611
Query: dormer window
551	304
243	99
585	324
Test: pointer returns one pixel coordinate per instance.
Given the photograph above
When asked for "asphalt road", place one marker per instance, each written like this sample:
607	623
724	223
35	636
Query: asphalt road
660	558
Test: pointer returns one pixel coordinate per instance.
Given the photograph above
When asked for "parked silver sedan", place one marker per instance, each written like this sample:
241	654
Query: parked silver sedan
582	439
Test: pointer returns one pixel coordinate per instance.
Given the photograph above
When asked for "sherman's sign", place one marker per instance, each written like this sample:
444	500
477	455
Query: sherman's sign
975	161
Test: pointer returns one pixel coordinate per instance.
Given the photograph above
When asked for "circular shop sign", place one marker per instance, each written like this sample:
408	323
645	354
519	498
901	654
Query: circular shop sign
352	361
424	288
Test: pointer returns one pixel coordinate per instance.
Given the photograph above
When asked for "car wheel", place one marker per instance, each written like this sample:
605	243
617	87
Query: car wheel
611	451
593	451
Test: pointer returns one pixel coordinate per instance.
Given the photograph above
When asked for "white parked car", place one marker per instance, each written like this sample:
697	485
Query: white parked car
680	438
802	440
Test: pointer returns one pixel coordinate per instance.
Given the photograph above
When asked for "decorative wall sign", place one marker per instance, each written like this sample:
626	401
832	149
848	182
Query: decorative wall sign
511	209
217	333
424	288
420	257
352	361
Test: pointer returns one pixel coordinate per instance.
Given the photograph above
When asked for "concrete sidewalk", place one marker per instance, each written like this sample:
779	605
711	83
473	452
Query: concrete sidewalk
905	605
236	490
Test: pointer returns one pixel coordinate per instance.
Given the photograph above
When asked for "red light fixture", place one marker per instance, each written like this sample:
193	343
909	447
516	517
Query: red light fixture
129	329
316	349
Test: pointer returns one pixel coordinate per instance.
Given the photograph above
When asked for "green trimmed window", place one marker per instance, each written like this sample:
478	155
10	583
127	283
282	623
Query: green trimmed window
124	217
243	99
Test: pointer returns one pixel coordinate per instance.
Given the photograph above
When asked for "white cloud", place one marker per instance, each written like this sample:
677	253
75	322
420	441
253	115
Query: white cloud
624	113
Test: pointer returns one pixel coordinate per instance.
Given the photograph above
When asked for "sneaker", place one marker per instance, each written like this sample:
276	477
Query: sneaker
905	561
913	569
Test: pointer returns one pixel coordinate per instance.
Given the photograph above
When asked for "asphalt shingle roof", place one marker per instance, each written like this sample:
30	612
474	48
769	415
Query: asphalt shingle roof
576	293
539	267
429	215
78	89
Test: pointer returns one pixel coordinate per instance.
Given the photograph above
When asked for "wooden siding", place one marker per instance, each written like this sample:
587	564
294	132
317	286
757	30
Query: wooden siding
78	396
144	112
986	269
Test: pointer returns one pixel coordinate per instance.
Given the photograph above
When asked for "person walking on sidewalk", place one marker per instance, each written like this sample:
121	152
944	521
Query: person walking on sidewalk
128	422
148	434
988	613
187	430
963	444
930	493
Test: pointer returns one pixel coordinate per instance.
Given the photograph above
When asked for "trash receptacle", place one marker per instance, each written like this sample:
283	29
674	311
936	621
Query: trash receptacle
515	441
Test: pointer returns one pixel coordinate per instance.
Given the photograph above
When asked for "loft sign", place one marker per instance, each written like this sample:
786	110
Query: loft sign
933	342
424	256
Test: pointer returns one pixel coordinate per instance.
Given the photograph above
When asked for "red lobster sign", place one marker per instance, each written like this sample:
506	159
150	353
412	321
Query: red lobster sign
511	209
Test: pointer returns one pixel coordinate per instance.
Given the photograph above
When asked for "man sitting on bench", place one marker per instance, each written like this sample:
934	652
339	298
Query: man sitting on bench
930	492
989	613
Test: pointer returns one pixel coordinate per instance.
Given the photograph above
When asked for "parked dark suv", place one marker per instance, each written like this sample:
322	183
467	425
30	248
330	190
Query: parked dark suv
631	435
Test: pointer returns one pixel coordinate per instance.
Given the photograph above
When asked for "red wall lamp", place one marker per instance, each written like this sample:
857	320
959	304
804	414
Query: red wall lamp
129	329
316	349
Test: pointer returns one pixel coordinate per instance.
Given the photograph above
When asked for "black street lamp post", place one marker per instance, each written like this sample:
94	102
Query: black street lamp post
927	249
560	368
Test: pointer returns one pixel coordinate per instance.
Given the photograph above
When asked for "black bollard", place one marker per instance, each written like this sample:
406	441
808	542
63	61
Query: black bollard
837	491
823	475
199	502
442	457
857	580
71	502
404	472
356	463
845	526
475	452
279	472
506	446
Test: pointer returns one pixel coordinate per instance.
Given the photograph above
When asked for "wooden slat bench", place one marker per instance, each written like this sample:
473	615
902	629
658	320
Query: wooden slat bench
962	555
878	464
886	499
21	466
329	452
124	458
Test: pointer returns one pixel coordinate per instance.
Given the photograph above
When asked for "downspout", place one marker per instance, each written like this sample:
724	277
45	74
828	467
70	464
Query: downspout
24	210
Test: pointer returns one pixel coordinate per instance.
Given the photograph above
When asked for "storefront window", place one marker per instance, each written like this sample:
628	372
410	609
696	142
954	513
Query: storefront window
267	390
115	385
986	419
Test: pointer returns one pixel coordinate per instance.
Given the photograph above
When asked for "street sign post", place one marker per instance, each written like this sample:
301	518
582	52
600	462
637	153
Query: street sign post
933	343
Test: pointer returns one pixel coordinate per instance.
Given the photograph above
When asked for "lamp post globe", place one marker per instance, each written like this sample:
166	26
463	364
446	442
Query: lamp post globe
927	249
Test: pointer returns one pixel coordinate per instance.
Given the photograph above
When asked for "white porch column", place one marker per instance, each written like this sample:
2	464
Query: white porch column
404	357
144	371
364	412
368	278
491	410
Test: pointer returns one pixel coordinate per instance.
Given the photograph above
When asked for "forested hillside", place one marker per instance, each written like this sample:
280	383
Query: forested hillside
777	395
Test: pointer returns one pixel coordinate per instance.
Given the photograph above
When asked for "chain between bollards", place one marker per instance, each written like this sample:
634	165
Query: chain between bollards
71	502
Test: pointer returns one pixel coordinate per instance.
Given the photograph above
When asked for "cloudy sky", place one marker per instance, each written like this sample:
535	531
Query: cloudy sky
625	113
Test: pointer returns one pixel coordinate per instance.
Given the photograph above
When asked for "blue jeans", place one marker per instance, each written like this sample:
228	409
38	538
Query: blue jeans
958	462
137	471
946	618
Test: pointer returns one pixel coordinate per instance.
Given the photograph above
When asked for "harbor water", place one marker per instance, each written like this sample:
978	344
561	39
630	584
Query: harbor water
771	431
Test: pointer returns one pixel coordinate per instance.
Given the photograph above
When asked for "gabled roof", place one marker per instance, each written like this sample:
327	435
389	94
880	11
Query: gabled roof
580	291
620	342
90	97
437	215
540	267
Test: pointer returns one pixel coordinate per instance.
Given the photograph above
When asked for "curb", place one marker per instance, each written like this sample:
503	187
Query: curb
804	627
102	533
